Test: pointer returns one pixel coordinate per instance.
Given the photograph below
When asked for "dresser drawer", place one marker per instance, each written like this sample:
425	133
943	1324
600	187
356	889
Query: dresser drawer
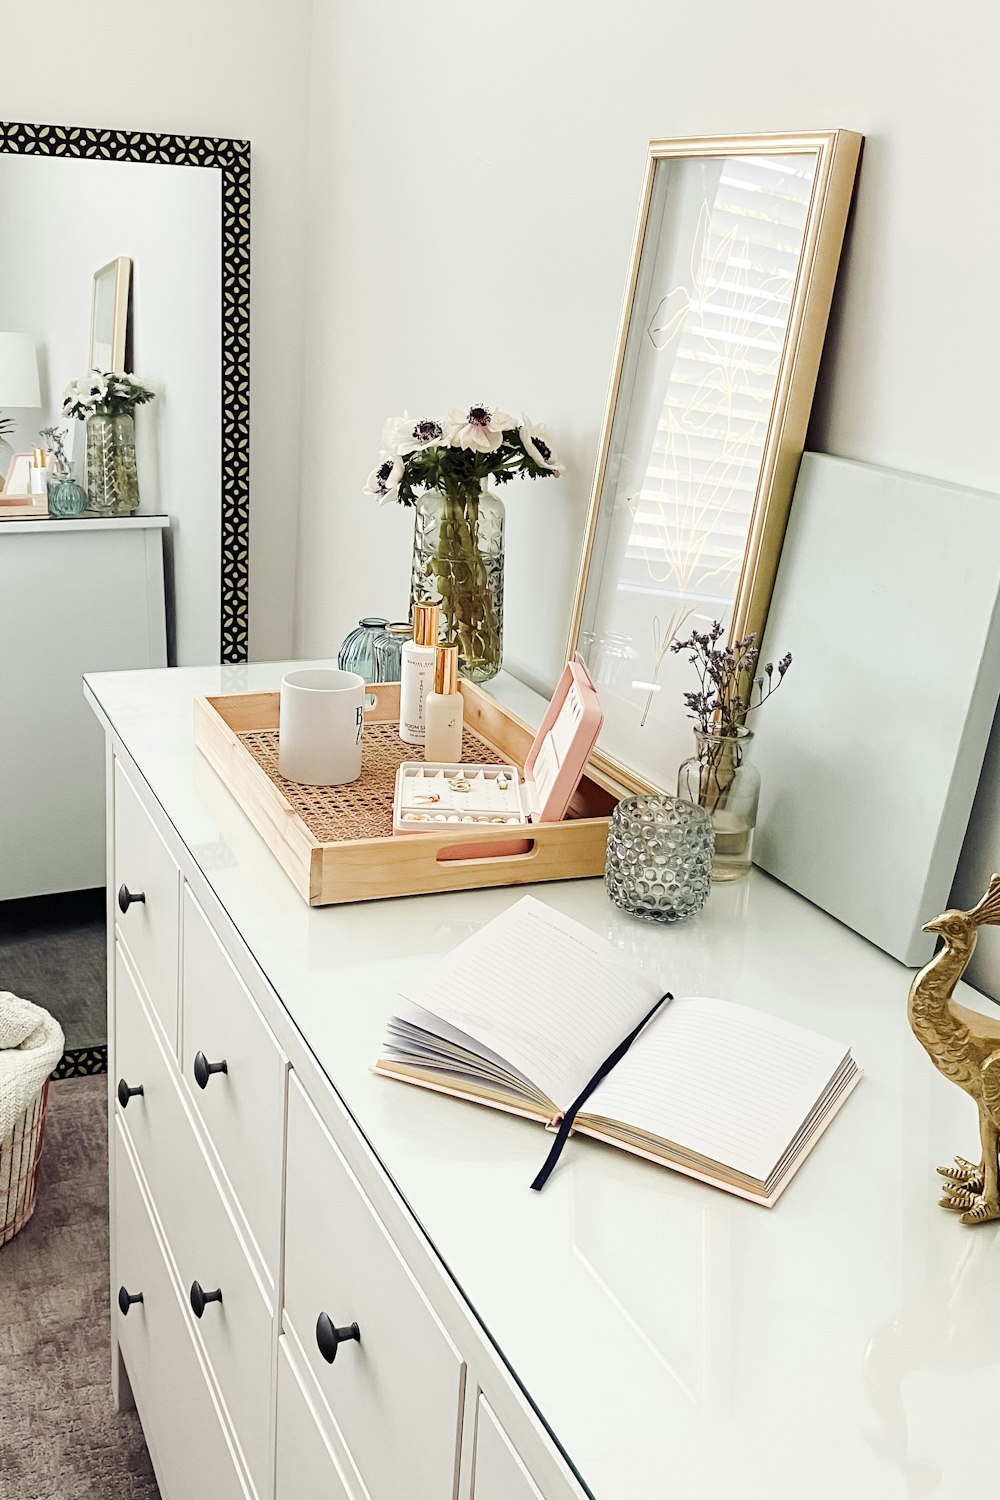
201	1234
396	1396
499	1472
305	1467
149	927
242	1108
182	1425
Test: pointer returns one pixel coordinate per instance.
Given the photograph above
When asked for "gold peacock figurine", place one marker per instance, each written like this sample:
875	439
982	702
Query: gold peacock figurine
965	1047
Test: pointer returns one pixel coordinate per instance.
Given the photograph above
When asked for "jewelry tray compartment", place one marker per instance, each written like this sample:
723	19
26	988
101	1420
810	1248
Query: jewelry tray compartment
436	793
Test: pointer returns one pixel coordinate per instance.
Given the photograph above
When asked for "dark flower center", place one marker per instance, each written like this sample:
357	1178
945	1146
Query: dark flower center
479	416
384	471
543	448
425	432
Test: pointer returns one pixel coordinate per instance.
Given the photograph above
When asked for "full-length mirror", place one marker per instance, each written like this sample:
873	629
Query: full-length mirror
165	221
124	520
730	288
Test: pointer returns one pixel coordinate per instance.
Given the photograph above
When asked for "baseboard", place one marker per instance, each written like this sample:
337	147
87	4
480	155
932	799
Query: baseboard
82	1062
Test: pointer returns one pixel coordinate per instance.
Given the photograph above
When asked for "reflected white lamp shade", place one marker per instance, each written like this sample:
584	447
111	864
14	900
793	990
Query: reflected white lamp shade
18	371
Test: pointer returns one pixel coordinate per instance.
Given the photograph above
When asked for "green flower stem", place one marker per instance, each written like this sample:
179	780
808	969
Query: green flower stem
466	600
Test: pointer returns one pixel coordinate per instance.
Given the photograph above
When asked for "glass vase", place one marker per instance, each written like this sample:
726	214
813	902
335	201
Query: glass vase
458	563
112	478
659	863
721	779
387	650
66	498
357	653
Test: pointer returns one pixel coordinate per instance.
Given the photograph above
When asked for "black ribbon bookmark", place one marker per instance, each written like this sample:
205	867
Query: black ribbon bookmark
568	1119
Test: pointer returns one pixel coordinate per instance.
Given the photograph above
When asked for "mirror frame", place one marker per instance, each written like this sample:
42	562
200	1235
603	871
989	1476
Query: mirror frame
231	158
838	153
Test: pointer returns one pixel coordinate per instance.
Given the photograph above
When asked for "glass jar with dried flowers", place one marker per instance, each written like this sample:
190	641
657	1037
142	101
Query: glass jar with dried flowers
720	777
441	469
66	498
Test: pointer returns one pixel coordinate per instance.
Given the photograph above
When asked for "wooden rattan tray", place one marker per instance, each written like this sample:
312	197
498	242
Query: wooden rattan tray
336	843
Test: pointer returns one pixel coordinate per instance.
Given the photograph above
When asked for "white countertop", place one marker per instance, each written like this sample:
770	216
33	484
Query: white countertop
45	522
844	1345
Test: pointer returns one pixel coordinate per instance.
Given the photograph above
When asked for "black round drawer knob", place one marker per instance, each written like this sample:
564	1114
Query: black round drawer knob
329	1338
126	897
125	1093
203	1069
200	1298
126	1299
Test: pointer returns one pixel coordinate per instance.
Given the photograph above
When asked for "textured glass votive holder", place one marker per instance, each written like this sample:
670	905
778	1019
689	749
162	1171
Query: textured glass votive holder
660	852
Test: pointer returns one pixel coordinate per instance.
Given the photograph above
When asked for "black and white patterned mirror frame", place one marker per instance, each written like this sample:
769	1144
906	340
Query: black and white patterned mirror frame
232	159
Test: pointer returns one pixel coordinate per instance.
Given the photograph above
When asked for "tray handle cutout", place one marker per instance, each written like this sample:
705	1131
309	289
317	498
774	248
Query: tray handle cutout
470	854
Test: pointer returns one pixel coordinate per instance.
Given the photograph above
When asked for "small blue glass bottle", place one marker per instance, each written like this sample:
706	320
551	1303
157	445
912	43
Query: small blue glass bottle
66	498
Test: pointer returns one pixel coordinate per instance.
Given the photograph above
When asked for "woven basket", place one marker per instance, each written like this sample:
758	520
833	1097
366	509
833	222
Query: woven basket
19	1159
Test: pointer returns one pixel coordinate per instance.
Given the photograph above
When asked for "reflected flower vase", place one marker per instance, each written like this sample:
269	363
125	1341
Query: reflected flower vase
720	779
659	864
112	478
458	563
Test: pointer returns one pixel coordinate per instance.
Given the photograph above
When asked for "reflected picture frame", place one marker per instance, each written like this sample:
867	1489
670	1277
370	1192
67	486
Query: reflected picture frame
707	206
109	316
17	503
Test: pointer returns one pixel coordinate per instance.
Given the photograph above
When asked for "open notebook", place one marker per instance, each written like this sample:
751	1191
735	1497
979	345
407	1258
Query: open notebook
523	1014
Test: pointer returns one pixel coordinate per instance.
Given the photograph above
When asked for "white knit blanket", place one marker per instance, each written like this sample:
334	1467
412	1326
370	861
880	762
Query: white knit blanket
31	1043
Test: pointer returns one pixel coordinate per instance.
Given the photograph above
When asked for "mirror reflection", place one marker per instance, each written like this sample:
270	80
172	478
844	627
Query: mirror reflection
81	217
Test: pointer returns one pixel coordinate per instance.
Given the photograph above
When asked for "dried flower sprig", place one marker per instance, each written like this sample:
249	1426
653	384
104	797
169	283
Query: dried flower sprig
729	680
62	468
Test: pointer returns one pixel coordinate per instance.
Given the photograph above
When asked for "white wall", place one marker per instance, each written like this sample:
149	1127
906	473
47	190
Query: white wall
233	68
166	220
474	180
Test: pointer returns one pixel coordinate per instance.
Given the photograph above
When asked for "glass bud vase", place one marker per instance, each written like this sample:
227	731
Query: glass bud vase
357	652
721	779
458	563
659	863
112	478
66	498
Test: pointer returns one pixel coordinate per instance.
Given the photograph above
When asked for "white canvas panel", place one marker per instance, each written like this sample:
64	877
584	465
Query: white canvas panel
870	754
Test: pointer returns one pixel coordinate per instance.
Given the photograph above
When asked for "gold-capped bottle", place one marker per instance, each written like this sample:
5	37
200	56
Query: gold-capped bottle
444	710
416	677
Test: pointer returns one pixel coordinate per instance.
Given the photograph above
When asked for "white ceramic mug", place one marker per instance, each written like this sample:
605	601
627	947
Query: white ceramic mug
320	726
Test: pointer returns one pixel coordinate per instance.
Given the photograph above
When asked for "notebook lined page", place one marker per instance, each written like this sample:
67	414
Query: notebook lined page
540	991
729	1083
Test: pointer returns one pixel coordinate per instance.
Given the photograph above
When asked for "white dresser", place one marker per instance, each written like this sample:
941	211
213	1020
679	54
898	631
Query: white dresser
75	596
335	1287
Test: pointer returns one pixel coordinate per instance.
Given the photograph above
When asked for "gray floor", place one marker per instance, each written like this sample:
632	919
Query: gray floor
60	1438
52	951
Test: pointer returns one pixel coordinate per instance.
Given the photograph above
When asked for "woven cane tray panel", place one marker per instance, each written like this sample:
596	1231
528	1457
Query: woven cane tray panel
363	808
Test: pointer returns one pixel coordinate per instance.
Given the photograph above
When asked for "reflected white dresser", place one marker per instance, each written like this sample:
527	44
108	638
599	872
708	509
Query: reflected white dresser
327	1286
75	596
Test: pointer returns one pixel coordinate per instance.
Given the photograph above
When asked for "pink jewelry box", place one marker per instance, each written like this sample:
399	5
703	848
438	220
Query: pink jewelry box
553	768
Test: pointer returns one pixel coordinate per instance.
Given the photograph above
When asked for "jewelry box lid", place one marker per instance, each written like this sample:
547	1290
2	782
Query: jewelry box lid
558	757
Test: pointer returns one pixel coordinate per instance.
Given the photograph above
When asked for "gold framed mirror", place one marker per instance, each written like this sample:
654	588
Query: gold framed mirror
729	291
